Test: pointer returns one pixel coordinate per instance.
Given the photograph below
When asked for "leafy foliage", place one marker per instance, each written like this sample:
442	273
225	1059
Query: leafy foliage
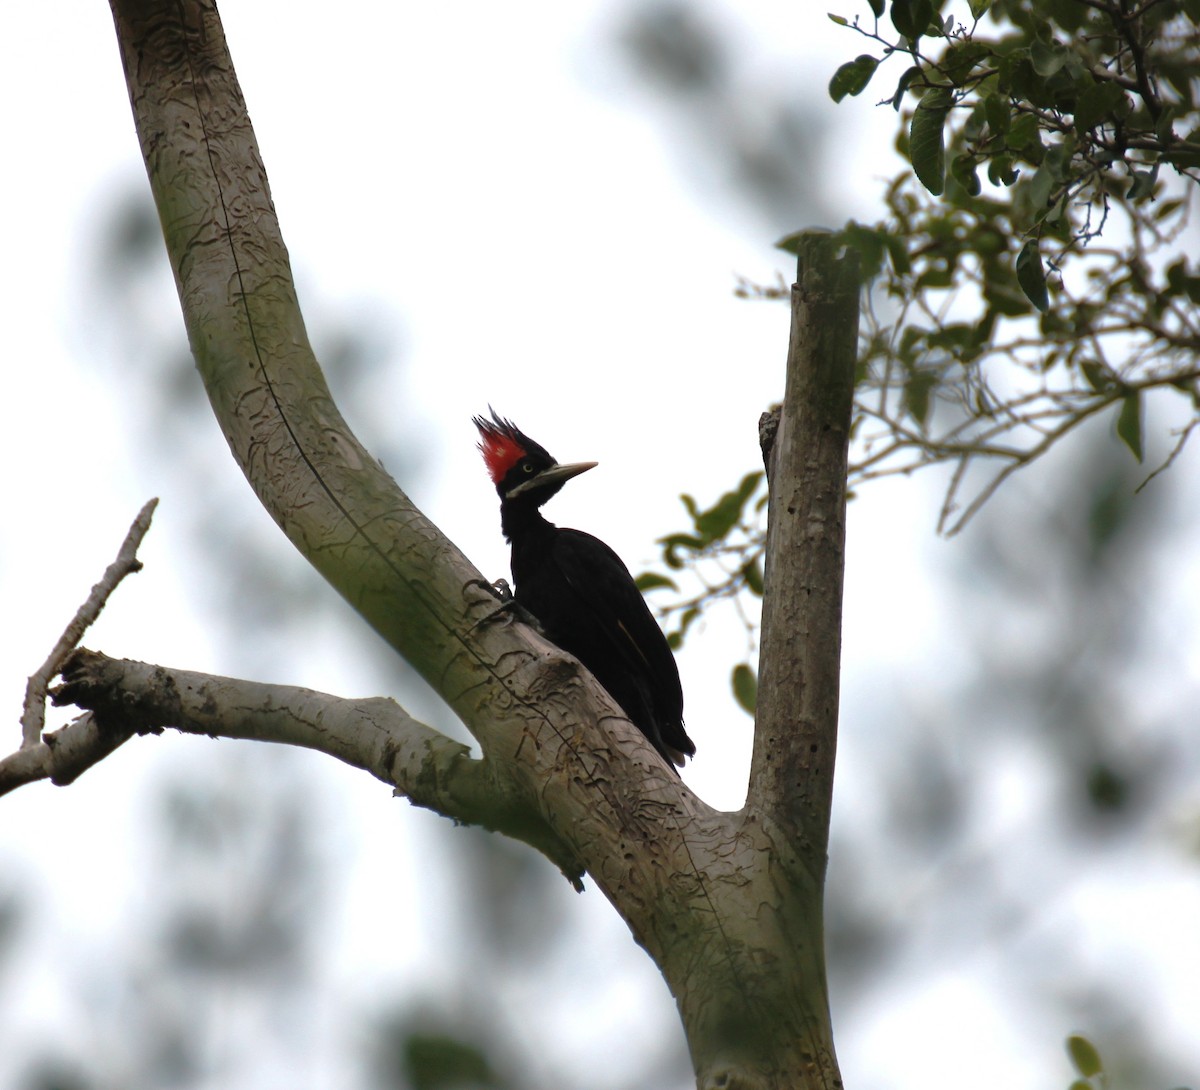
1032	270
745	687
721	554
1084	1058
434	1061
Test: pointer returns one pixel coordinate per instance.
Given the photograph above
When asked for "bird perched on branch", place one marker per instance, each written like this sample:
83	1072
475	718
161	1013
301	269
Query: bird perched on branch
580	592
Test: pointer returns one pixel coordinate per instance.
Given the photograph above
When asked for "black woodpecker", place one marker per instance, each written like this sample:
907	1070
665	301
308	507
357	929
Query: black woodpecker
581	593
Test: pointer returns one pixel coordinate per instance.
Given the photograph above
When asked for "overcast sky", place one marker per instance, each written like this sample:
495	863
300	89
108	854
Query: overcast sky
488	186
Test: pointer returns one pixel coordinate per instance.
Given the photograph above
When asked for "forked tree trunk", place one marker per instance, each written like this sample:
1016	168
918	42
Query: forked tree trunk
728	905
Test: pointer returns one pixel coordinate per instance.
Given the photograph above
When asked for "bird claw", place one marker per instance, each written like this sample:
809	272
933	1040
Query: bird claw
509	608
499	589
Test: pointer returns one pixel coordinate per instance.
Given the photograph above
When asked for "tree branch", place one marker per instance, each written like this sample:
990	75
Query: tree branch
123	698
33	716
796	728
526	702
563	768
61	756
334	501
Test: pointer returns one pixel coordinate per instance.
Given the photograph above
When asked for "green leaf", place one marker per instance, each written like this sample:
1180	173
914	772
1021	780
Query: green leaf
841	20
723	516
917	391
911	17
682	541
685	620
897	254
1181	282
748	485
1164	124
1068	14
979	8
790	244
877	7
752	573
852	77
1099	377
1084	1056
1047	57
436	1060
962	170
952	337
672	543
675	639
1031	276
868	244
745	687
1058	157
1164	209
1095	104
927	145
905	79
998	111
961	57
1001	171
1176	276
651	580
1023	133
719	519
1129	431
1041	186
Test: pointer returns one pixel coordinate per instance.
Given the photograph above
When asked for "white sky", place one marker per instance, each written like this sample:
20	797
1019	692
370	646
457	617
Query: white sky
485	178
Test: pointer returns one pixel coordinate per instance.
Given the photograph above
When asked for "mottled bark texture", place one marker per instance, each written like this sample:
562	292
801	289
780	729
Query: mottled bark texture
794	745
728	905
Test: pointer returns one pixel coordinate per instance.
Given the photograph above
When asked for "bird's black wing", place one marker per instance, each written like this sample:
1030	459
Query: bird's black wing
605	589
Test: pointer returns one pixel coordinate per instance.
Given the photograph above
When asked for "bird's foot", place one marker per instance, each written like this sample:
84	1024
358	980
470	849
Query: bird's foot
499	590
509	608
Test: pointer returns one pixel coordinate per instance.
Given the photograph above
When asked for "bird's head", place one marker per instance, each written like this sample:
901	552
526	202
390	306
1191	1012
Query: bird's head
521	469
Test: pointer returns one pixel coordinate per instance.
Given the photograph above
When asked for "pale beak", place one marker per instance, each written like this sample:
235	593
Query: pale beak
555	475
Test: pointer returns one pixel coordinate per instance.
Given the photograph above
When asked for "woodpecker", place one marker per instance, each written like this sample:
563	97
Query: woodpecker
580	592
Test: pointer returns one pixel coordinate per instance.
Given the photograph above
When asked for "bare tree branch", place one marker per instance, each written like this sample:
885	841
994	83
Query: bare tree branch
61	756
33	716
123	698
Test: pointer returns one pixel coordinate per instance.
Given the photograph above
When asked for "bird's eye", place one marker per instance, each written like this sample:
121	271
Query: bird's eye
528	467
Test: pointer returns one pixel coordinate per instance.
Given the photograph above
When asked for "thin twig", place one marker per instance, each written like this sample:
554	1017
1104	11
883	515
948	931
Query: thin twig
33	716
1184	435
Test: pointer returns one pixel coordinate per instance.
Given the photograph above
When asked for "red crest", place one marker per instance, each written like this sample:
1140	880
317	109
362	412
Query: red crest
501	445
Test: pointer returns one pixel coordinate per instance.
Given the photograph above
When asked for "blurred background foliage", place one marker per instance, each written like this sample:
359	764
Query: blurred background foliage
980	798
1005	314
